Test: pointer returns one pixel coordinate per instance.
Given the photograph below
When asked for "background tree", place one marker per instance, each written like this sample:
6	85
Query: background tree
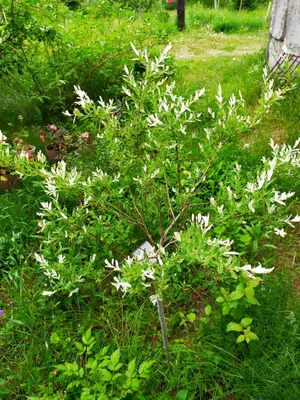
180	14
216	4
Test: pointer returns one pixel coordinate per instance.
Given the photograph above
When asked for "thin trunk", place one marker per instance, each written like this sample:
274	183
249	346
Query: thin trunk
163	325
241	5
178	169
180	14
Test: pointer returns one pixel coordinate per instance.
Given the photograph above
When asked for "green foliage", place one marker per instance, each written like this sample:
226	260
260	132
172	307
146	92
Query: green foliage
247	4
98	375
41	49
225	20
148	154
140	171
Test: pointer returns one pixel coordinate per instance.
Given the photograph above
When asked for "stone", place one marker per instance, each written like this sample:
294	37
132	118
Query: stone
284	29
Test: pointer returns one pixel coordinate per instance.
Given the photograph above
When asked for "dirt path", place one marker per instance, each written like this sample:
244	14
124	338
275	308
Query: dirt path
207	45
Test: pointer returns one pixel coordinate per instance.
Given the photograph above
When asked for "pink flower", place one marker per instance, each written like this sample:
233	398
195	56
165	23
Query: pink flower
42	137
53	127
85	135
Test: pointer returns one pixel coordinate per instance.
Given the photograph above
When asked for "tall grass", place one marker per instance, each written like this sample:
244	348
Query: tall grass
14	101
225	20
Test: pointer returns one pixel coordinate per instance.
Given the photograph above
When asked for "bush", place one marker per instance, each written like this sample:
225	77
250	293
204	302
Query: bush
155	173
46	50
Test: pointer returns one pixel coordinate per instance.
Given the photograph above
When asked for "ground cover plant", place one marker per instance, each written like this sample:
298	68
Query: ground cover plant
204	178
42	52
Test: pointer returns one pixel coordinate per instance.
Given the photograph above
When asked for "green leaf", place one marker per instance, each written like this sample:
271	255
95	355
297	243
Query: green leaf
116	376
245	238
104	363
207	310
220	299
236	295
75	383
233	326
219	230
91	363
144	368
87	336
79	346
92	344
225	310
131	369
249	292
255	246
106	375
135	385
240	288
61	367
240	339
115	357
270	246
254	282
252	336
246	321
54	338
102	396
116	367
103	351
191	317
233	304
182	394
252	301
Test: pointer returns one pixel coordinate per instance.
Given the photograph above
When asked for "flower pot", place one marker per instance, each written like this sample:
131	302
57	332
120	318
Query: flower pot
8	182
170	5
52	154
32	150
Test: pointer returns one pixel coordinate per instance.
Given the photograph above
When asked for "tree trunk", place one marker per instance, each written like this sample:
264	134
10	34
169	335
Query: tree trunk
180	14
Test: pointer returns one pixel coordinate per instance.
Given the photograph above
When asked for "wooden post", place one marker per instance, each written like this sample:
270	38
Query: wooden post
180	14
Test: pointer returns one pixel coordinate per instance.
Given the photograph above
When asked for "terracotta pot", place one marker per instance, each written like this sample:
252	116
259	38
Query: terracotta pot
52	154
8	182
